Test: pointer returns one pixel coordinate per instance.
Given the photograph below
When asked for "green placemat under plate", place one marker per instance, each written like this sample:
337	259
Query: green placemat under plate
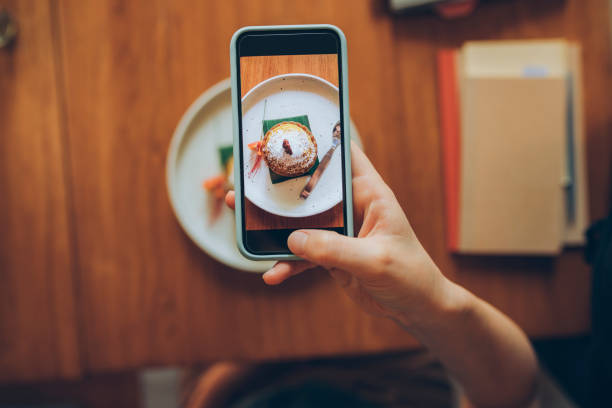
267	124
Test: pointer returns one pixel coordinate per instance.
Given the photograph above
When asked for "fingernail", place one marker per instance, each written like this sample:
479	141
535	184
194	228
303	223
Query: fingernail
270	276
267	275
296	242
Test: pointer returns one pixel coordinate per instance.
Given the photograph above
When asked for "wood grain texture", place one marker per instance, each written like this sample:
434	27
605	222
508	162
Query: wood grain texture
149	296
258	219
38	323
254	70
146	294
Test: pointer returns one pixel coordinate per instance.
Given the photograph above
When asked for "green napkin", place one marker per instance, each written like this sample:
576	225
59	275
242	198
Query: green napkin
267	124
225	153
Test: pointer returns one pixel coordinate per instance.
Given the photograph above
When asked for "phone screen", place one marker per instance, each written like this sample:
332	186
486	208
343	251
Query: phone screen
291	130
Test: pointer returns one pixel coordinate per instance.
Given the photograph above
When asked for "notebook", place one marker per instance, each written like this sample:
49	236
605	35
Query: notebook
513	147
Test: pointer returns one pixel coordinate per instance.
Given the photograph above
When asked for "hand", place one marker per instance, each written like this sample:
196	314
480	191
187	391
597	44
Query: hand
385	269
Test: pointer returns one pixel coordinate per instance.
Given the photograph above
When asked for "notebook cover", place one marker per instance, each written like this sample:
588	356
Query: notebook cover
512	165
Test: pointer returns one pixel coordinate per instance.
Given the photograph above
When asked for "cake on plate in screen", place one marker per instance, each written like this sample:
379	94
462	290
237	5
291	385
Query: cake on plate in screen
289	149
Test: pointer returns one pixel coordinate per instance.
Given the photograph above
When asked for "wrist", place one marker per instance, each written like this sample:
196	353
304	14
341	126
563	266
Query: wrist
448	304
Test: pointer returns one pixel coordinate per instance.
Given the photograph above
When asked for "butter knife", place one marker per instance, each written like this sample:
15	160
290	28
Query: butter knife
323	164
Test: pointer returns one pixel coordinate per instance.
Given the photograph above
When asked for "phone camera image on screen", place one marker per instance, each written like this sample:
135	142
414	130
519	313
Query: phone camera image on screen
291	137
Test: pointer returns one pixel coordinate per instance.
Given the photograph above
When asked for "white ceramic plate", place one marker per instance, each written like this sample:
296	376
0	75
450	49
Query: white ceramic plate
286	96
192	158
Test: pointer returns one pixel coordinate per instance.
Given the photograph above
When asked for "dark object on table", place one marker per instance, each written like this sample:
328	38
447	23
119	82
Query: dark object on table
583	365
599	251
309	394
403	5
8	29
393	380
39	406
444	8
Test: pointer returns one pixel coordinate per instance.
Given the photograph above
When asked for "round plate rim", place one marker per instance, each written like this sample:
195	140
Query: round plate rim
177	138
267	82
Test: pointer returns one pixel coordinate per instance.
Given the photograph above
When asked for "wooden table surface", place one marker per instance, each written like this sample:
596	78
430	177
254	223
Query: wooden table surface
95	272
254	70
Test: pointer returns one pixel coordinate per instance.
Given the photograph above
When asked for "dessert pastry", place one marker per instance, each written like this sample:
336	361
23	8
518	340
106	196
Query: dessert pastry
289	149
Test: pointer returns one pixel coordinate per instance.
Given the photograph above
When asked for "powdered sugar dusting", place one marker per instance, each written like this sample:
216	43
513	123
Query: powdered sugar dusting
303	149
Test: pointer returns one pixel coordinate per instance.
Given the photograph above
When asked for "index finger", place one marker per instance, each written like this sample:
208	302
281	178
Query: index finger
360	164
230	199
368	185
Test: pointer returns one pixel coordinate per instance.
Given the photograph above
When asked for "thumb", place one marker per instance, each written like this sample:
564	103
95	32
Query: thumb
330	249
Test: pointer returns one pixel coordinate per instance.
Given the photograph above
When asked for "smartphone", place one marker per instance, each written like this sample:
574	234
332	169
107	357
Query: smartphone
291	135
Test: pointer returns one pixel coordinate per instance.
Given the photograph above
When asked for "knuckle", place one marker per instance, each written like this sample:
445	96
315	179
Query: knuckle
378	206
383	257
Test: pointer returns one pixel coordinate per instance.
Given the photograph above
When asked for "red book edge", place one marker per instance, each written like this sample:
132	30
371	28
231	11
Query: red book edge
448	101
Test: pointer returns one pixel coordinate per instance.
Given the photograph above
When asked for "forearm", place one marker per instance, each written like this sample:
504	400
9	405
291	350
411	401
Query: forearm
483	349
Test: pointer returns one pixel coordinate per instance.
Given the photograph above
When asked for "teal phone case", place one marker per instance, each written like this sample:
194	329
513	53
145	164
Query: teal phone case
346	150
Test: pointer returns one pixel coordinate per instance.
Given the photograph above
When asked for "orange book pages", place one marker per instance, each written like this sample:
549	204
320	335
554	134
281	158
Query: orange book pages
448	102
512	165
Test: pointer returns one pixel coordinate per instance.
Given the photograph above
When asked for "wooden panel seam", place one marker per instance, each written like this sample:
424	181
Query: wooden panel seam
68	182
